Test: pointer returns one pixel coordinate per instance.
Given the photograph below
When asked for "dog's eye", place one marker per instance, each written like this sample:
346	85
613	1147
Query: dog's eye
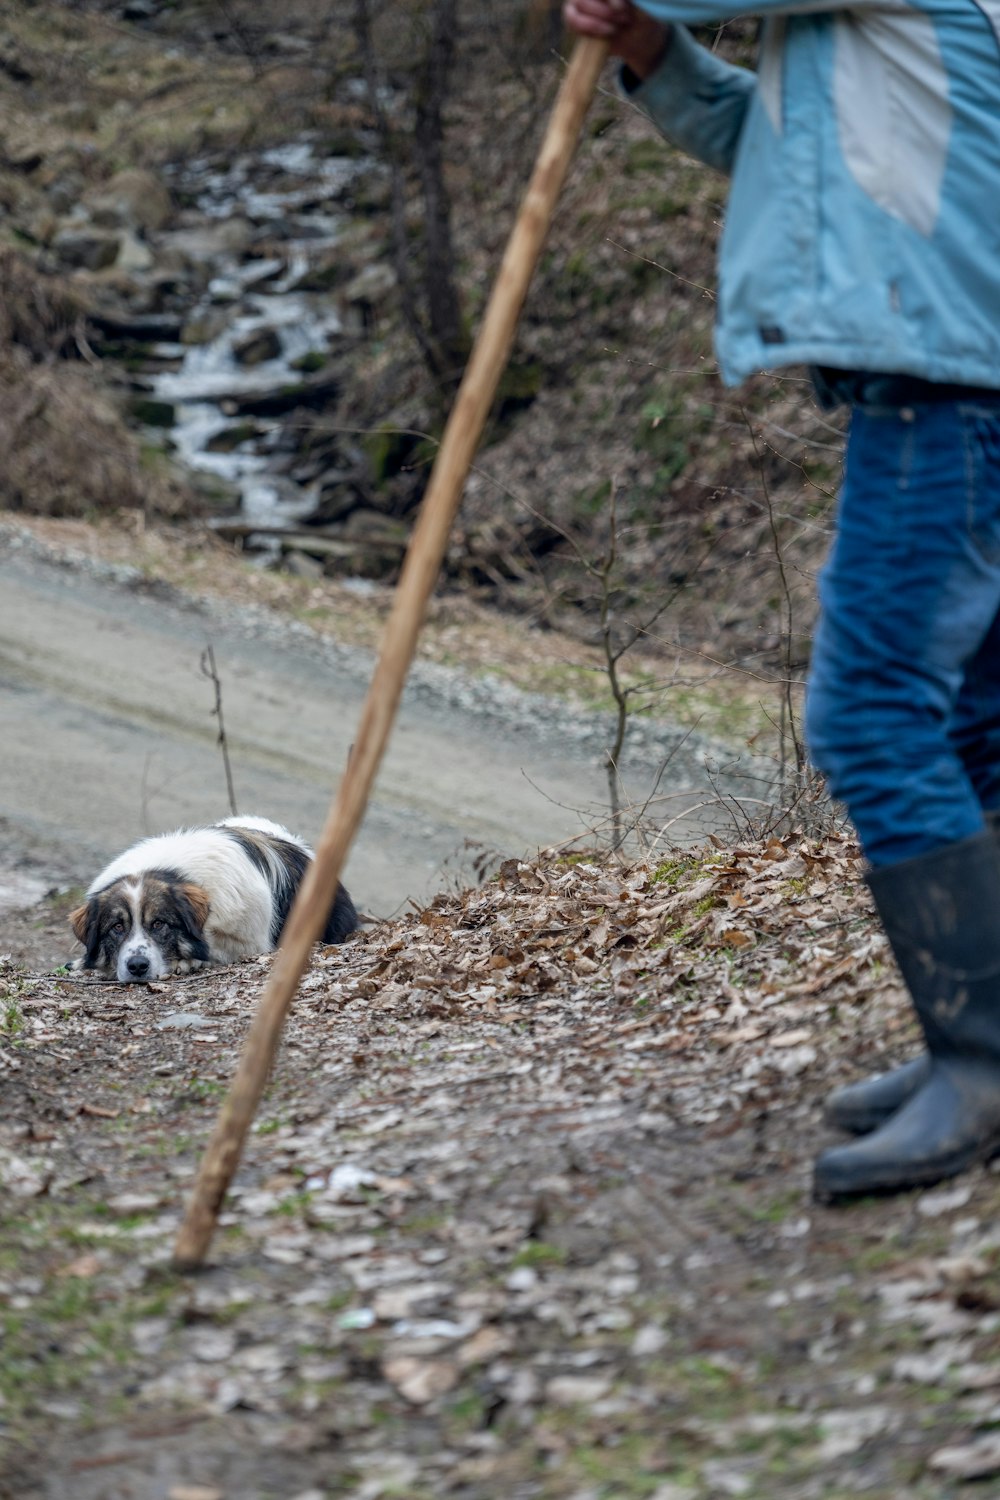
118	927
159	926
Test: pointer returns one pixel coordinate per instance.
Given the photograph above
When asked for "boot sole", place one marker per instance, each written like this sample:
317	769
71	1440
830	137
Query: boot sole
883	1184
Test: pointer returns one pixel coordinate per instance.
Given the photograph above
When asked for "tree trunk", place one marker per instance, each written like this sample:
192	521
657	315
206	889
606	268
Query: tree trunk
429	294
448	340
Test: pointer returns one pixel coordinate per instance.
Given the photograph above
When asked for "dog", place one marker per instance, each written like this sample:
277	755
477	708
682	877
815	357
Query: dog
199	896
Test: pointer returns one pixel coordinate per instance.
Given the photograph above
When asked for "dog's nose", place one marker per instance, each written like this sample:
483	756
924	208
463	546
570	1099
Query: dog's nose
138	966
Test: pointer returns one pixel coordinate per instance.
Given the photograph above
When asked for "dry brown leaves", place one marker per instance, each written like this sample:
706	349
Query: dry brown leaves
748	954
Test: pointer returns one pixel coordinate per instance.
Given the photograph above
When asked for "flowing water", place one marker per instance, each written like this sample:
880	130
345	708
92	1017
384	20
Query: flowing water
291	196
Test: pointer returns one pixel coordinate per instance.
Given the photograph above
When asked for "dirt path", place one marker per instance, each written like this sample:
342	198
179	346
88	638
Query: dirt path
525	1213
107	734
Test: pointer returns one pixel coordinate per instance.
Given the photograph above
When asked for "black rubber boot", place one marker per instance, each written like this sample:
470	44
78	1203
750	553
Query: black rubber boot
865	1105
941	913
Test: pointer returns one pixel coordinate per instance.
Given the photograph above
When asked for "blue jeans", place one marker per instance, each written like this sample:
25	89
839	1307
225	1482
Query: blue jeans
903	706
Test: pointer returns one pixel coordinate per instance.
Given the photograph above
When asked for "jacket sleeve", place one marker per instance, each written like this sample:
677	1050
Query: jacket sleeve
697	100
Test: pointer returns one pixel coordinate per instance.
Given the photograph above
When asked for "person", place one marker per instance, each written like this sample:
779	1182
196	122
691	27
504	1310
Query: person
862	239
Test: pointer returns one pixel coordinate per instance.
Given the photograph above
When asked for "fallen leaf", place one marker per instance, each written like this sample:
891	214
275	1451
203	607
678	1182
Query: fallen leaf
975	1460
420	1381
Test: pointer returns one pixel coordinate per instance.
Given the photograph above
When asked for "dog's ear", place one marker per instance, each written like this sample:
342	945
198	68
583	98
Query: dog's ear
86	925
196	901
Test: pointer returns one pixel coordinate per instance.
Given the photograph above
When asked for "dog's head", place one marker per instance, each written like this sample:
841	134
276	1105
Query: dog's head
143	926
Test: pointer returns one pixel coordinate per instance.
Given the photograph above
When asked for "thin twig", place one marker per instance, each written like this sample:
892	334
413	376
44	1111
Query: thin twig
208	670
788	715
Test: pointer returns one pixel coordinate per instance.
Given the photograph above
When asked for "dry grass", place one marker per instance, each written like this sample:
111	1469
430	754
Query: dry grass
66	450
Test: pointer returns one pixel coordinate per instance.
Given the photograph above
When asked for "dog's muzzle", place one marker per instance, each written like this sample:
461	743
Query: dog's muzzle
138	965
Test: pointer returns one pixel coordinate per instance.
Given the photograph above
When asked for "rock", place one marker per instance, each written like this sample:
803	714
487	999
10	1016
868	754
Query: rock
21	157
133	199
374	529
65	189
577	1390
301	565
140	10
207	324
845	1432
319	391
206	243
257	346
86	249
153	413
13	62
230	438
403	1301
358	246
945	1201
649	1340
134	255
371	286
340	492
137	328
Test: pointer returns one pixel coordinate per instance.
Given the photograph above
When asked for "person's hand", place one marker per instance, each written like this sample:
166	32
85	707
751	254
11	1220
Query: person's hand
634	37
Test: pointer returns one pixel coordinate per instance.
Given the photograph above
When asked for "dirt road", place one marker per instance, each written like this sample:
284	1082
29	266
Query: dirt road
107	732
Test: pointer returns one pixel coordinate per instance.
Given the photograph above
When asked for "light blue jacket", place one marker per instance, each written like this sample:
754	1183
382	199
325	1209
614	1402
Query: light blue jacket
863	226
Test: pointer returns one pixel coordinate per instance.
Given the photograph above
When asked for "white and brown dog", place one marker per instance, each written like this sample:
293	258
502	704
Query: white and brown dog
198	896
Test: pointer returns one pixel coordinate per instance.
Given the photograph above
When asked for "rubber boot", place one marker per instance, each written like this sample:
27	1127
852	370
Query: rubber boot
865	1105
940	913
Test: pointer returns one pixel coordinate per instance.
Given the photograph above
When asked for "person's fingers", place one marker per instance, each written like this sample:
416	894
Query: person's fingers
596	17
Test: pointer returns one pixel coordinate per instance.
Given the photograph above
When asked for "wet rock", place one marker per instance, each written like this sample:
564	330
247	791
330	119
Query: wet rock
232	437
86	249
153	413
318	391
140	10
134	255
256	347
204	326
135	327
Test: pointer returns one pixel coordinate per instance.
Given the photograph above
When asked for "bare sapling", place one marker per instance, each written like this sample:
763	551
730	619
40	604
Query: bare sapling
209	670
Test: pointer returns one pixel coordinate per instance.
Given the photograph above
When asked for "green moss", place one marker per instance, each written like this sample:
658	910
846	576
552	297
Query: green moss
538	1253
309	363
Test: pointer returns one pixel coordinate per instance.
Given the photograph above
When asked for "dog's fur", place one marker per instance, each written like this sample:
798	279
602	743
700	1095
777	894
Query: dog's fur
198	896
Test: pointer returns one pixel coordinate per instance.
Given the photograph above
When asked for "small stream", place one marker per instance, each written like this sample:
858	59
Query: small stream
271	333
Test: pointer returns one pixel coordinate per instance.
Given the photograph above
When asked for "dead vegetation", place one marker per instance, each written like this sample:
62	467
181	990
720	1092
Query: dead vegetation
67	449
611	382
525	1210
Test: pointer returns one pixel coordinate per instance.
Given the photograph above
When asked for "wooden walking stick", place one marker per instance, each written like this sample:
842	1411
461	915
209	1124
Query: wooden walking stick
417	579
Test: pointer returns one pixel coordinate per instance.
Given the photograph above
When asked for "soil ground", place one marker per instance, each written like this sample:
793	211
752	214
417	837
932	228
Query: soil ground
525	1211
109	734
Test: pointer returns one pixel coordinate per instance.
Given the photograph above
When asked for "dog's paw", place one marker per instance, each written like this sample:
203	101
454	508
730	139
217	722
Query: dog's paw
190	965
